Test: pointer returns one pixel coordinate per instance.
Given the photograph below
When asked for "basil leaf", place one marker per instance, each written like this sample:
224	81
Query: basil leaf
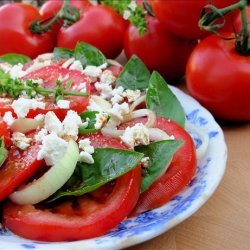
161	99
160	154
110	163
62	53
3	152
91	117
134	75
13	58
89	55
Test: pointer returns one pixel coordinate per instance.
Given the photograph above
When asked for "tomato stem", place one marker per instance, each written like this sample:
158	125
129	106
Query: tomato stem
67	13
211	14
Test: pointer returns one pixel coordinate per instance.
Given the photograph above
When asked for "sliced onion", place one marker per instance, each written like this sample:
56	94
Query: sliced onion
24	125
51	181
114	62
67	63
156	134
105	105
200	151
112	132
136	103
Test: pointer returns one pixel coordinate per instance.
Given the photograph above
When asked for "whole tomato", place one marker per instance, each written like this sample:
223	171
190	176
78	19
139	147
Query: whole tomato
16	36
218	77
182	16
51	7
159	49
100	26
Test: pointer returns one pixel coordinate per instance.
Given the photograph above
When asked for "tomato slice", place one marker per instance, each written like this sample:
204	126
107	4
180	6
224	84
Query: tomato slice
5	134
50	74
82	217
177	176
19	167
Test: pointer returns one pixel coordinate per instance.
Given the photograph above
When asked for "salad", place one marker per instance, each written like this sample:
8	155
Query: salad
86	143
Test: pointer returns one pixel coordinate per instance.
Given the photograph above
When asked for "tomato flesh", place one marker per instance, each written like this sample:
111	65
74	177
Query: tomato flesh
85	217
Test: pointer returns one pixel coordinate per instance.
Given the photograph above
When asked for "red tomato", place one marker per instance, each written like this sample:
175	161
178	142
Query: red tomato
18	168
177	176
50	74
5	133
218	77
181	17
159	49
16	37
85	217
51	7
100	26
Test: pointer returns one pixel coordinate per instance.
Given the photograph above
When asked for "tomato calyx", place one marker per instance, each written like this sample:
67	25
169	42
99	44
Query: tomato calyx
67	13
210	15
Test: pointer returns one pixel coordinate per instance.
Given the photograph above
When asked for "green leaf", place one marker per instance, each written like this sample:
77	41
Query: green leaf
109	164
62	53
134	75
13	58
89	55
161	99
3	152
160	154
91	117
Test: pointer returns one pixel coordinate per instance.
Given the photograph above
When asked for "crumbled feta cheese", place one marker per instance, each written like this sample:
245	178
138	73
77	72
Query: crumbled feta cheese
132	5
126	14
6	67
63	104
53	124
8	118
22	106
101	120
93	106
131	95
117	94
136	135
119	110
68	62
107	77
87	150
104	89
145	161
103	66
17	71
93	71
39	137
76	65
20	140
38	81
52	150
86	157
5	100
71	124
39	117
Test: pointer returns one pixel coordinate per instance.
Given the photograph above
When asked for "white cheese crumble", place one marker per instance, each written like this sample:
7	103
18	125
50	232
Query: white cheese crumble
131	95
52	150
145	162
119	110
126	14
8	118
136	135
93	106
117	94
107	77
132	5
71	124
53	124
76	65
93	71
101	120
22	106
104	89
39	137
39	117
20	140
63	104
87	151
17	71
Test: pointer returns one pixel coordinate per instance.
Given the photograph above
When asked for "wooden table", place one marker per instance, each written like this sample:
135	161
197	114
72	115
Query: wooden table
224	221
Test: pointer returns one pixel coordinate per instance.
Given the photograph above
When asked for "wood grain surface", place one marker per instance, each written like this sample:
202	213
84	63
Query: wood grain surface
224	221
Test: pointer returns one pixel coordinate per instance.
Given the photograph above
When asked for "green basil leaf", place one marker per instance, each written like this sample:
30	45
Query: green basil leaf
160	155
161	99
89	55
110	163
134	75
13	58
3	152
62	53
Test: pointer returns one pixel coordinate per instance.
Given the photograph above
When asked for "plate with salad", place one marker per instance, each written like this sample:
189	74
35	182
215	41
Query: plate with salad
96	155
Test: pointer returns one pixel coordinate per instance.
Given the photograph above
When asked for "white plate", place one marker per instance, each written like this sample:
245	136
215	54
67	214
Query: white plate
148	225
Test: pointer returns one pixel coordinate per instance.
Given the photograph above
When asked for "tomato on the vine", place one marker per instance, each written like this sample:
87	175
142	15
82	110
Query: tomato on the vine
84	217
218	77
159	49
100	26
181	17
16	36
